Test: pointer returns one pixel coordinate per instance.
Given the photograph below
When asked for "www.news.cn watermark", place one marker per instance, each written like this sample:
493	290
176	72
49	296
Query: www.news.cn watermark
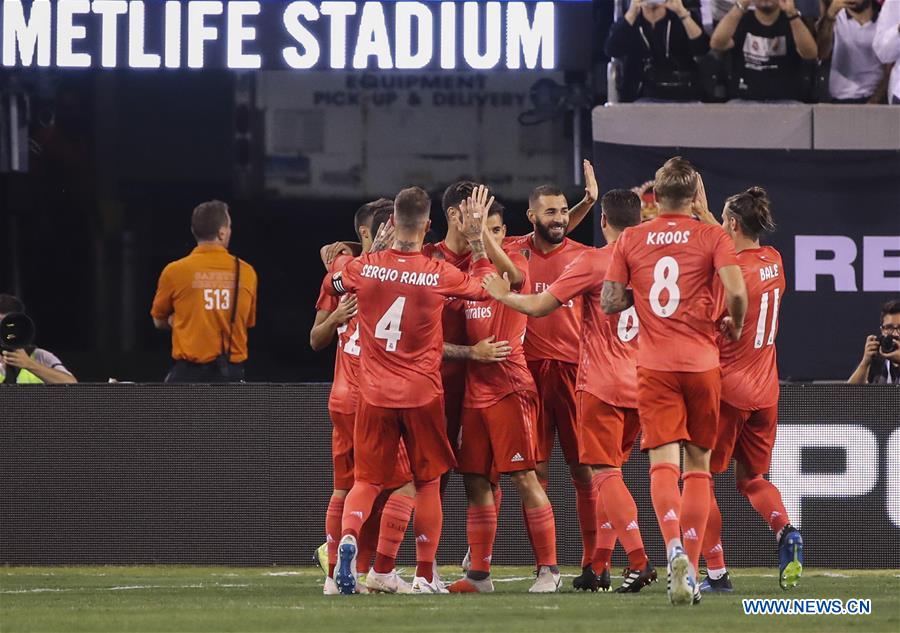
806	606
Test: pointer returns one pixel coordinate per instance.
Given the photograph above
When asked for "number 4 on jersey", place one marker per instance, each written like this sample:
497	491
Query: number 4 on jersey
388	327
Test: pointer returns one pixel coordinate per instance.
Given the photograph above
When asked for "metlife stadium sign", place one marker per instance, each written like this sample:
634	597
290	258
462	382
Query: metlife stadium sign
301	35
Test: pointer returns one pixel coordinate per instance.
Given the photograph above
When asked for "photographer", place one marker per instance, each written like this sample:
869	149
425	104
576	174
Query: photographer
880	363
29	364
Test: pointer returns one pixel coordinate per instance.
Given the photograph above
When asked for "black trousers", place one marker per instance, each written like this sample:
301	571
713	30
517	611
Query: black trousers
185	371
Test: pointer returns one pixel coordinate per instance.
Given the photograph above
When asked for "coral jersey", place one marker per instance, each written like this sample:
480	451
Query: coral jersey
345	387
749	365
609	342
670	263
453	320
556	336
488	383
401	296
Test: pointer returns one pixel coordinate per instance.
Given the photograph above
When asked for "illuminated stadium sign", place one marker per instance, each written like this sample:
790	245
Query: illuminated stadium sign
302	35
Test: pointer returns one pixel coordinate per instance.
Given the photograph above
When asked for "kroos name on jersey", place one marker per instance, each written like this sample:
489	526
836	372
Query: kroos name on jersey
382	273
656	238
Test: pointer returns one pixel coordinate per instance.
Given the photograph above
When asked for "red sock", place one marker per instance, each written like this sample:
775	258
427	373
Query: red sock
368	534
666	498
694	513
543	532
586	506
766	500
498	498
544	484
712	540
333	530
606	535
481	529
358	506
619	505
427	526
394	521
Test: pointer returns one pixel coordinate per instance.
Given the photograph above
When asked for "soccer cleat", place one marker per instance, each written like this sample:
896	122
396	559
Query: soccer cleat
361	584
321	557
721	585
604	580
588	580
330	588
437	578
633	580
547	581
467	585
345	573
420	585
467	561
390	582
790	557
680	586
698	594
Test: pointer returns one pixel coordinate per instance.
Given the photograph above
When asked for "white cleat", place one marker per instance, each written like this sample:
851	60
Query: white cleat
420	586
547	581
387	583
330	587
681	583
467	561
438	580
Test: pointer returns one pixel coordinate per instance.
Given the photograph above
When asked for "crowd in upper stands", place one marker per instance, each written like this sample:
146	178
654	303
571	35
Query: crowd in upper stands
757	51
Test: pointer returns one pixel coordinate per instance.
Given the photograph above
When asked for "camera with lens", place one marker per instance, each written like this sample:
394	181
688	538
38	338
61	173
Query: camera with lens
887	343
17	331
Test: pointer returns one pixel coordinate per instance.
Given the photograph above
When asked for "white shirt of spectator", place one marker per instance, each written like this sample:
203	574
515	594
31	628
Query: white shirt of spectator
887	43
855	70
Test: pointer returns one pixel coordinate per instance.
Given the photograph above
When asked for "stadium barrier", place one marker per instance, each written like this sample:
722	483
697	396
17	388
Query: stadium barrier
240	475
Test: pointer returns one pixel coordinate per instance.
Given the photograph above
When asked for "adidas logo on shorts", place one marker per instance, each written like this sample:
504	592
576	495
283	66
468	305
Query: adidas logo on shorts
606	526
517	458
670	516
690	535
632	526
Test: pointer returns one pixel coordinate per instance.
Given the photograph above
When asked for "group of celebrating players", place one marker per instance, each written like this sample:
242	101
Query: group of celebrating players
474	353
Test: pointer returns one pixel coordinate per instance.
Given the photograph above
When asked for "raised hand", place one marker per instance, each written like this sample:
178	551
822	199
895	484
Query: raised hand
700	204
473	213
591	190
788	7
385	237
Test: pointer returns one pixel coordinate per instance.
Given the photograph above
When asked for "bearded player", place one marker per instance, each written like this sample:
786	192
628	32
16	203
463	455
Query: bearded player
748	416
606	383
497	434
400	297
670	263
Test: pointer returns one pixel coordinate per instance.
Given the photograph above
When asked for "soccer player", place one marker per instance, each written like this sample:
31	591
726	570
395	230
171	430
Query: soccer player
749	412
336	317
606	384
498	418
670	263
551	350
400	296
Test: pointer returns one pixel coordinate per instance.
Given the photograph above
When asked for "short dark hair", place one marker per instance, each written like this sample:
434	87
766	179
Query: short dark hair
208	218
10	304
456	193
363	215
752	209
891	307
412	207
622	208
497	209
676	182
543	190
380	217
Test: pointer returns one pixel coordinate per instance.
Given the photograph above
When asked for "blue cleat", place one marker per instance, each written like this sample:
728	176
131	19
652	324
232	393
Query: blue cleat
721	585
345	573
790	557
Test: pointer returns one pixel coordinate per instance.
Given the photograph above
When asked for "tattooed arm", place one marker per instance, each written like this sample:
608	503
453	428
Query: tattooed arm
615	297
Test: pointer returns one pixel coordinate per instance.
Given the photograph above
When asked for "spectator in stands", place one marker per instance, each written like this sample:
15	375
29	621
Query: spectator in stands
714	10
658	43
887	45
881	356
844	35
32	365
769	45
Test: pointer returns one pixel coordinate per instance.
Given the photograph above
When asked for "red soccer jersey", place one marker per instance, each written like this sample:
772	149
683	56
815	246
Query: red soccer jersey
345	387
401	296
488	383
749	365
453	319
670	263
556	336
609	343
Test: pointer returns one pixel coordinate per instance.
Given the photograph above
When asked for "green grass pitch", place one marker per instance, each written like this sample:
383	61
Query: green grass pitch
224	599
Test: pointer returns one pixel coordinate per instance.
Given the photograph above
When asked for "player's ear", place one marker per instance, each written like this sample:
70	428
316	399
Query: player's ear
532	216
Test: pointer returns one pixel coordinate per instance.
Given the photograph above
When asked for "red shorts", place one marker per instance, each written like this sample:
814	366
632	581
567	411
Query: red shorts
555	382
499	437
678	406
376	441
342	455
606	432
748	436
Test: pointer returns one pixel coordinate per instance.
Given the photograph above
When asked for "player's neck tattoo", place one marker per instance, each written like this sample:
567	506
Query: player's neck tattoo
405	246
477	247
